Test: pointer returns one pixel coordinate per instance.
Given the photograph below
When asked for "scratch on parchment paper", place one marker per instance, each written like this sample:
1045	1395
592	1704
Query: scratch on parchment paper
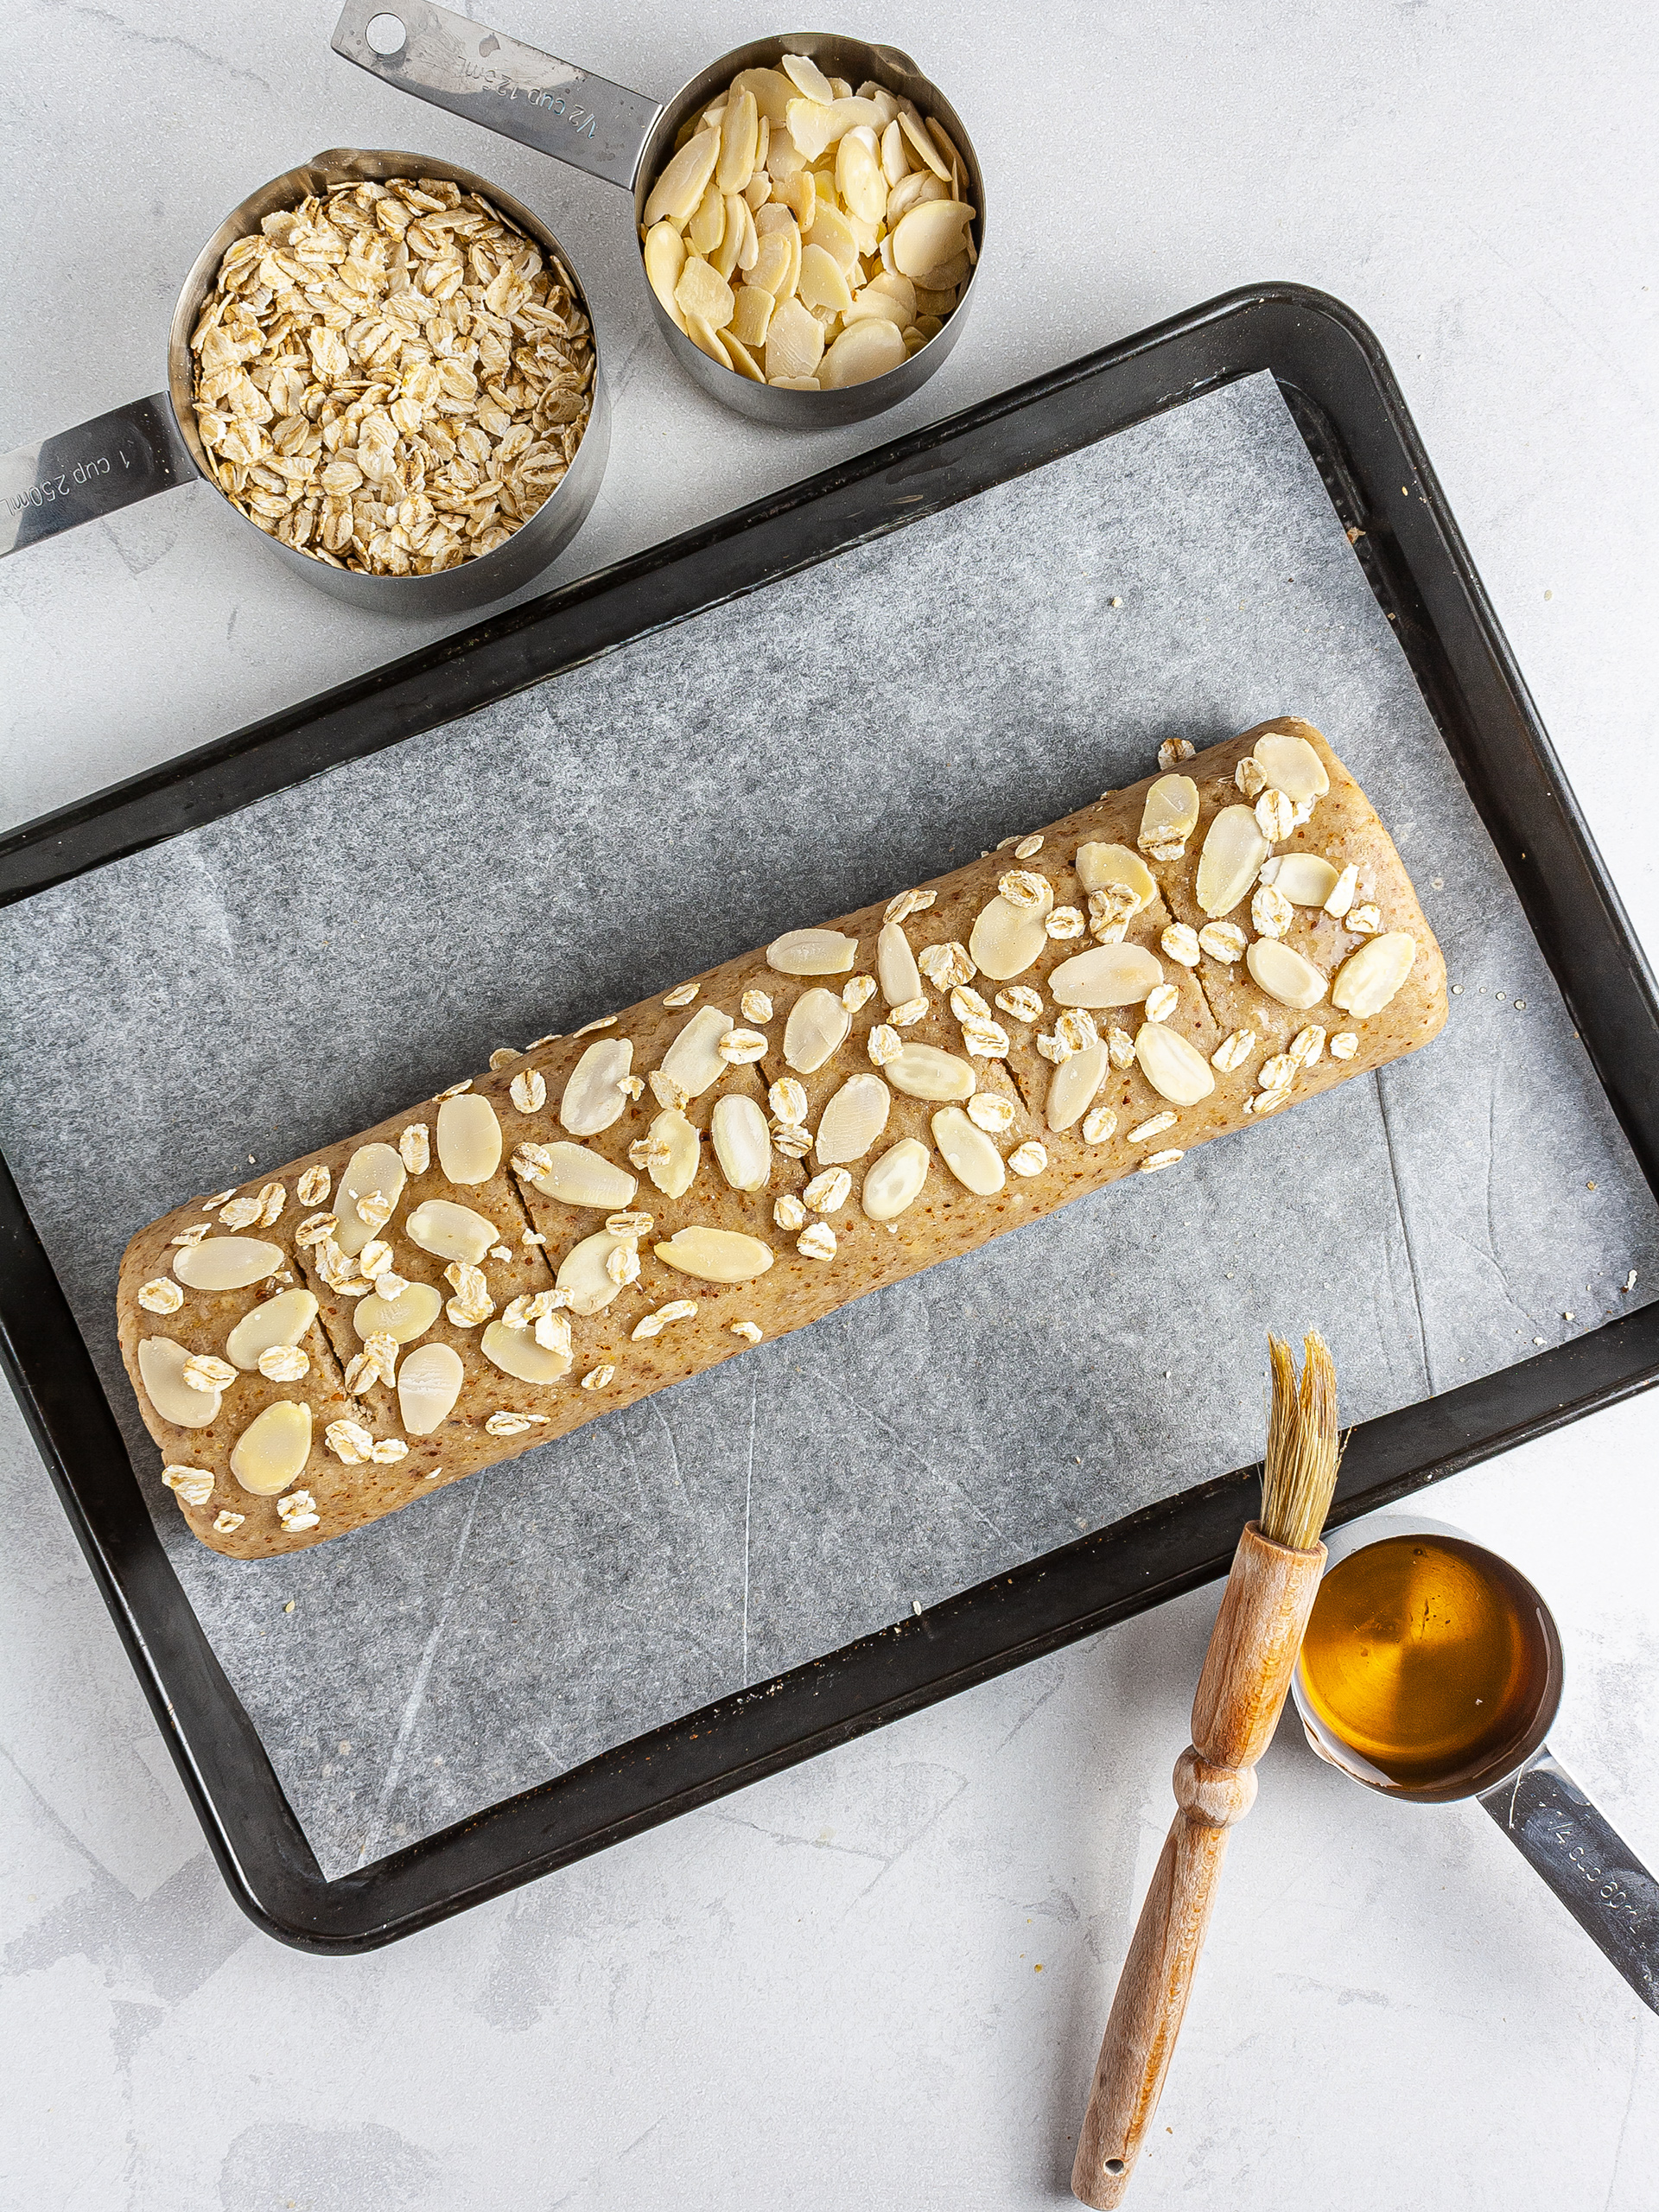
418	1689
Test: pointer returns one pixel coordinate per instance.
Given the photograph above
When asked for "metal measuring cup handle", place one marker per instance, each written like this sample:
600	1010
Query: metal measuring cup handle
512	89
94	470
1594	1871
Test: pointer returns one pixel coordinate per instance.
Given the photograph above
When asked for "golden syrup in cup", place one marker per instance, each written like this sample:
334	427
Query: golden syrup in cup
1425	1667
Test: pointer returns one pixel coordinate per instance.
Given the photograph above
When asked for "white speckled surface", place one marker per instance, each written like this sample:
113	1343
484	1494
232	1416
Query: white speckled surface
1388	2001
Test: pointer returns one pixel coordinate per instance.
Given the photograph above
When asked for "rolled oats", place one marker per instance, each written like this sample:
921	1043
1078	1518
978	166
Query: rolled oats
817	1242
528	1090
751	1331
988	1110
160	1296
391	378
414	1149
1154	1161
1234	1051
945	966
226	1524
1028	1159
755	1006
682	994
597	1378
1180	943
284	1363
1021	1001
313	1186
193	1484
1222	941
1345	1044
1098	1124
1063	922
1144	1131
908	903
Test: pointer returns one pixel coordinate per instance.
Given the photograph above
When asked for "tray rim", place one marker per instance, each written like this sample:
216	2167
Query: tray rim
1351	416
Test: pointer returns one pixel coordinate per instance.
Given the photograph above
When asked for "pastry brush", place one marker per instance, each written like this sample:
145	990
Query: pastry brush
1269	1594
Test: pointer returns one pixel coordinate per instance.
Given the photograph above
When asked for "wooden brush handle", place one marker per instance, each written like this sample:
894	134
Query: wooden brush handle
1247	1672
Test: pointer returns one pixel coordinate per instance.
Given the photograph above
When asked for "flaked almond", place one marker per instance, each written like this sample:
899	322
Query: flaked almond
968	1152
669	1154
517	1353
272	1450
895	1181
1073	1085
585	1275
593	1096
1290	765
452	1231
1006	938
716	1254
469	1139
1169	816
405	1318
1368	979
227	1262
812	952
1107	974
895	966
925	1072
1341	893
853	1120
1176	1070
280	1320
1234	850
160	1369
741	1141
818	1023
1102	867
572	1173
1304	879
693	1060
1284	975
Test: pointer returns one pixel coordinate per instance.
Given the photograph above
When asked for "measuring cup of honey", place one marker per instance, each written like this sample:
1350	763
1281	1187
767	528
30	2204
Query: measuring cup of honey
1432	1670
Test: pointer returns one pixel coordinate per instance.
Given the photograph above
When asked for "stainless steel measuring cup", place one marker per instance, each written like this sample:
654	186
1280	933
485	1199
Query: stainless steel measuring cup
624	139
151	445
1518	1779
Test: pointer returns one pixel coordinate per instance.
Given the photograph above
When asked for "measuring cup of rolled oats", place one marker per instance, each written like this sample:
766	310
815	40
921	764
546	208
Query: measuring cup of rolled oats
810	209
386	365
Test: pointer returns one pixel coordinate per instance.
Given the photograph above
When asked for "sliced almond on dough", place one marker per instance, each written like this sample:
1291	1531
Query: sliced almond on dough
1234	850
281	1320
1100	865
742	1142
1170	813
925	1072
716	1254
1107	974
1304	879
895	966
895	1181
469	1139
576	1177
1072	1086
516	1352
272	1450
428	1383
817	1024
160	1369
586	1276
1283	974
1176	1070
404	1318
968	1152
1291	766
1369	978
853	1120
1006	939
693	1060
229	1262
812	952
452	1231
671	1154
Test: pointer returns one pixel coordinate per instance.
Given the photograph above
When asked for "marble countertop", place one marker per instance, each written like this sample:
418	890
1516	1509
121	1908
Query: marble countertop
879	1978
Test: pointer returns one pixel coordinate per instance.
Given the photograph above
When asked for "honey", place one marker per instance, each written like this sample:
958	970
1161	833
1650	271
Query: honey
1426	1664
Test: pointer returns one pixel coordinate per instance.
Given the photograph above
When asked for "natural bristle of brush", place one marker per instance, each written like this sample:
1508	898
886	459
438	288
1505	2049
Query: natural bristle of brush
1299	1471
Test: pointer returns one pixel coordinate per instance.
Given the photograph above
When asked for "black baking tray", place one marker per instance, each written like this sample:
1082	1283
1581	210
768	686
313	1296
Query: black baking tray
1338	387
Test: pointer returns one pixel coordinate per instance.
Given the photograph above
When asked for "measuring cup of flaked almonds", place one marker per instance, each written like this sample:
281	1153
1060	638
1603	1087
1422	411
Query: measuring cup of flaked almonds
1431	1671
151	445
628	139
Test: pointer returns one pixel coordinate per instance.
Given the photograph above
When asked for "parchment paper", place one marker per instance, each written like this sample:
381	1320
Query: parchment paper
184	1017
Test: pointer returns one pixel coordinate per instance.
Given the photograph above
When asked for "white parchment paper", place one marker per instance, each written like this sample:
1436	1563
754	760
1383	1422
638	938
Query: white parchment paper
218	1005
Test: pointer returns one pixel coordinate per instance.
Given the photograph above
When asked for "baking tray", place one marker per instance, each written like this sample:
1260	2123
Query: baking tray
1337	386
